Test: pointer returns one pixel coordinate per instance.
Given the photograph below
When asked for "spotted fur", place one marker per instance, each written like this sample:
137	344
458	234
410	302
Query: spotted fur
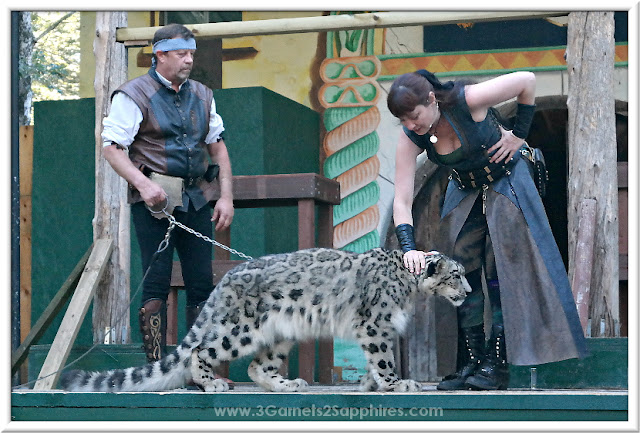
263	306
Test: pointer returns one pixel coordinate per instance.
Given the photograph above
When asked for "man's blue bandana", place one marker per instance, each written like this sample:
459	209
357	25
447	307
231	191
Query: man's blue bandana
174	44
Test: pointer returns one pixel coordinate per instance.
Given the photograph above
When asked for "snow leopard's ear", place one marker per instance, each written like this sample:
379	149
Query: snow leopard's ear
434	264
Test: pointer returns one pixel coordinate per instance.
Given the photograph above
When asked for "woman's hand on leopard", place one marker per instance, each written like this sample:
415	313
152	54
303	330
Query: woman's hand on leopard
415	260
504	149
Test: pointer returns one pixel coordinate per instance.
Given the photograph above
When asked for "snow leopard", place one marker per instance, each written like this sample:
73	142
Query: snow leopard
262	307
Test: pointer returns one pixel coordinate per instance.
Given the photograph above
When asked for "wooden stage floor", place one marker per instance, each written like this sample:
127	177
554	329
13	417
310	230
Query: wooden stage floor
341	402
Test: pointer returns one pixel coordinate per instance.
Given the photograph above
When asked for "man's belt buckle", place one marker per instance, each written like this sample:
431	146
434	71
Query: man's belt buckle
190	181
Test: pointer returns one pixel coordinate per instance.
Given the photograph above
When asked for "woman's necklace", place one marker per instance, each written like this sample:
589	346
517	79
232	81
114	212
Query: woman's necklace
433	139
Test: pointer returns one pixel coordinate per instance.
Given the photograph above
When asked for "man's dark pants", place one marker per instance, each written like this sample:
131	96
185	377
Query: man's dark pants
195	254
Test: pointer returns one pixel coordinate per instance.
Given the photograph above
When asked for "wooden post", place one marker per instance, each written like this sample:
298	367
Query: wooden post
306	239
583	259
325	345
592	157
26	187
219	254
112	214
62	343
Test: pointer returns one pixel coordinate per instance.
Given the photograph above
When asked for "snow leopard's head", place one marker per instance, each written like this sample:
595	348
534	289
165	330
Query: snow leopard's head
444	277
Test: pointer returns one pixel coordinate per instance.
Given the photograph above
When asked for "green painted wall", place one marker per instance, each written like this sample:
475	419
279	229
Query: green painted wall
267	133
63	199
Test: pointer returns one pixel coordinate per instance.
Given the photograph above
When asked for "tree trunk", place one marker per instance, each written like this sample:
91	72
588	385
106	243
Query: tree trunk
592	157
112	213
25	94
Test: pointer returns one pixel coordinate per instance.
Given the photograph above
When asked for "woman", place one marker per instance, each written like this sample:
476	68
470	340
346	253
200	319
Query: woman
492	220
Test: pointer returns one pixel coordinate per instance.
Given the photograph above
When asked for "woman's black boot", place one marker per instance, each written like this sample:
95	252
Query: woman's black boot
494	372
473	341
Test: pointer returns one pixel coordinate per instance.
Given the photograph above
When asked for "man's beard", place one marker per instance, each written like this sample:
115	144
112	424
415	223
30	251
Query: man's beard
183	74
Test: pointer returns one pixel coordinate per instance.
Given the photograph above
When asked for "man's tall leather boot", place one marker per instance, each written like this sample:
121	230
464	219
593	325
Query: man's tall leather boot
153	327
494	372
473	340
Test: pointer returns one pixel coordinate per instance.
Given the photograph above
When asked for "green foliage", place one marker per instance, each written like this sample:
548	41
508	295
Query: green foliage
56	56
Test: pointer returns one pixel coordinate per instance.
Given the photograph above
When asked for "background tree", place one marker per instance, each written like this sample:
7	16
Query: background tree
49	62
25	94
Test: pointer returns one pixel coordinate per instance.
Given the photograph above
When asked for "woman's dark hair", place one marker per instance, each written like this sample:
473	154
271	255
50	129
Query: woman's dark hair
171	31
412	89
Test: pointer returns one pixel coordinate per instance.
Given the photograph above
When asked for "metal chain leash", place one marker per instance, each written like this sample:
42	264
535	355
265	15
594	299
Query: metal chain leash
173	223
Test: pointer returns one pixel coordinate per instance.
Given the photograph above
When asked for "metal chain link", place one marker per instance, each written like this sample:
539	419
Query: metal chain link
165	242
173	223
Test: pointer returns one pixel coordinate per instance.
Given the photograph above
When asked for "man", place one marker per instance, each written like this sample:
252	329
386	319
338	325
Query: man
170	128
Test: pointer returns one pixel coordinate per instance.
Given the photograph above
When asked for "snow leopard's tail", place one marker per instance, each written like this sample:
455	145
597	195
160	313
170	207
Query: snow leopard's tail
169	372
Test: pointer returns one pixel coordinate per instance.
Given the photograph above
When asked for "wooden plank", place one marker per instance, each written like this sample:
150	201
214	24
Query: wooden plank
62	343
346	403
581	283
223	237
26	187
25	266
50	312
26	160
334	22
279	190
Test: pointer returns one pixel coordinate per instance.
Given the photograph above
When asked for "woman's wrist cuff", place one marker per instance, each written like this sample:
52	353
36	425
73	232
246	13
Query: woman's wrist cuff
523	121
404	233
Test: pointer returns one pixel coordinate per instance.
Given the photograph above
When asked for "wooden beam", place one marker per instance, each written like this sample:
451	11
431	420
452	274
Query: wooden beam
26	187
49	313
236	29
62	343
278	190
112	213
